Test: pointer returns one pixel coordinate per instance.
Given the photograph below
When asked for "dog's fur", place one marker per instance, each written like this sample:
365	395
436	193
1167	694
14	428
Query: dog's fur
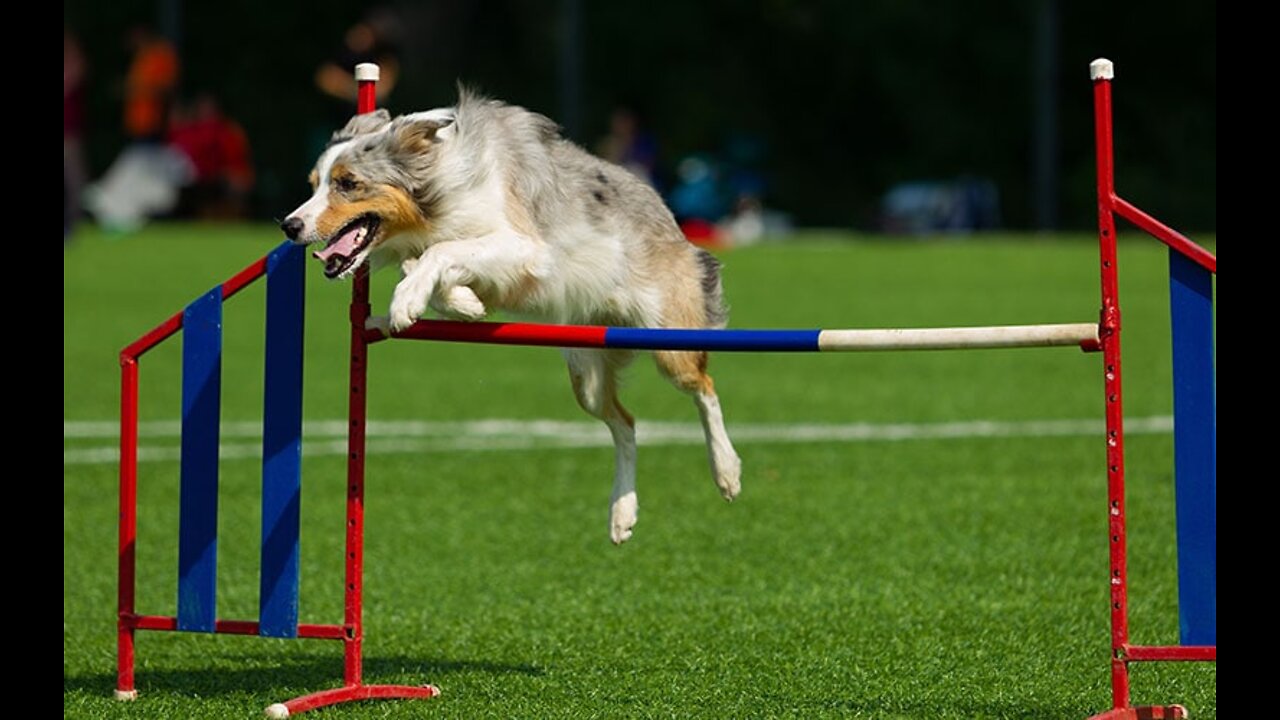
484	206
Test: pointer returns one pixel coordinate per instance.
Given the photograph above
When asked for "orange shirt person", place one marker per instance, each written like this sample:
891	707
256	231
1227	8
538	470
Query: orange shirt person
153	74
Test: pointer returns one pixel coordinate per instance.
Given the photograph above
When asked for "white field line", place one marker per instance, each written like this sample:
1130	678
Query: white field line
328	437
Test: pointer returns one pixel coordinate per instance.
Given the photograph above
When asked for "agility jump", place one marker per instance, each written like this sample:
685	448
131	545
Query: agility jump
1191	282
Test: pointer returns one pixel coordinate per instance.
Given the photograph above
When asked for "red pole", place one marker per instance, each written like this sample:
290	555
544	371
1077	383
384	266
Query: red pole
128	526
366	88
367	79
1101	71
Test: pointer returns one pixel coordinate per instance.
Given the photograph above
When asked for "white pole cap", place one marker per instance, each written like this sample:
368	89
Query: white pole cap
1100	69
367	72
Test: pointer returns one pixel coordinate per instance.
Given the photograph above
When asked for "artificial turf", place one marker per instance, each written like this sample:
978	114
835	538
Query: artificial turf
919	578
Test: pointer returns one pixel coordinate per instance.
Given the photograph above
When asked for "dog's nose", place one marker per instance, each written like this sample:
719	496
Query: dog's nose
292	227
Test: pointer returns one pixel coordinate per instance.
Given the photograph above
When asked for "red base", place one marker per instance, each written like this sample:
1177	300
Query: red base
350	693
1151	712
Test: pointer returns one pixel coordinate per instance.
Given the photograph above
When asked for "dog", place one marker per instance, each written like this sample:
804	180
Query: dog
485	206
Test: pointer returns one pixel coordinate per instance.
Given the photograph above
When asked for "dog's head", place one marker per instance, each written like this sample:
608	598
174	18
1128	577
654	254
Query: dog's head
372	184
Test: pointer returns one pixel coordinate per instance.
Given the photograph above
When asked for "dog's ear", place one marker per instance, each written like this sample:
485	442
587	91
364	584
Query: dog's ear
419	134
362	125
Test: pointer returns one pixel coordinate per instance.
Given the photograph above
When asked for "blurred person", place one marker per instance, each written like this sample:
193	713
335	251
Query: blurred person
630	145
217	149
364	42
744	154
144	178
143	182
921	207
699	193
368	41
73	166
698	200
149	84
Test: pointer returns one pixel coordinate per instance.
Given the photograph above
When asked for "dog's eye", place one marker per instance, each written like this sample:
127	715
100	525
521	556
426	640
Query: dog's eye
346	184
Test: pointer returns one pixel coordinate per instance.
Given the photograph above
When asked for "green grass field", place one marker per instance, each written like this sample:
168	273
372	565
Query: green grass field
955	577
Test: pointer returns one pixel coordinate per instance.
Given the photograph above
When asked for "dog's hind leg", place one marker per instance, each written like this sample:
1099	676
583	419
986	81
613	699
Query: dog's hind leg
594	374
688	372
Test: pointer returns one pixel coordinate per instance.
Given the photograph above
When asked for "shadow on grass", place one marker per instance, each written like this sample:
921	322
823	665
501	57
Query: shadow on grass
259	675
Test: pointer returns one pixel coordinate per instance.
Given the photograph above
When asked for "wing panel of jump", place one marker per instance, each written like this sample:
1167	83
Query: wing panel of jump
282	443
1195	438
198	504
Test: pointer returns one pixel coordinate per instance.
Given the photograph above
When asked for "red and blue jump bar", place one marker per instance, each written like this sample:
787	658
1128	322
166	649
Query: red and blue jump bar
598	336
1084	335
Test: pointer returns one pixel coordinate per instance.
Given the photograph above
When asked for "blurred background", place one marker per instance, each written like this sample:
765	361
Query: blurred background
750	117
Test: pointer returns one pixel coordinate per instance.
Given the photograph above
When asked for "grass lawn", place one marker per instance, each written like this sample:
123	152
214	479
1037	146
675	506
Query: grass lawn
931	577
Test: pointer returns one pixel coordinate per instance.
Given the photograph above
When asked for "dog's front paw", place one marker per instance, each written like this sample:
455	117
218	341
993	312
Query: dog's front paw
405	314
409	302
460	302
378	322
622	518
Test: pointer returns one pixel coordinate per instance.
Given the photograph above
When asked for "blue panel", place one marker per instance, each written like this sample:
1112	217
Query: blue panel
282	443
1195	436
198	506
740	340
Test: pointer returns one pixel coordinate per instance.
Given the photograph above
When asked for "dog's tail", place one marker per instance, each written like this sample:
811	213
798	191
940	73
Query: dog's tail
717	313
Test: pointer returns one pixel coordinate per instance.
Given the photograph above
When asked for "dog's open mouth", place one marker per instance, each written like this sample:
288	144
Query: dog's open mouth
344	248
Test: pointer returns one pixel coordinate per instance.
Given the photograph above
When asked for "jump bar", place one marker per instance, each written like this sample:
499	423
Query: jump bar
593	336
957	338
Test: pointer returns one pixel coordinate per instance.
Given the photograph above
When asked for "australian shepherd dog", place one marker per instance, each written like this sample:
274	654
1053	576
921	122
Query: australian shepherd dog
484	207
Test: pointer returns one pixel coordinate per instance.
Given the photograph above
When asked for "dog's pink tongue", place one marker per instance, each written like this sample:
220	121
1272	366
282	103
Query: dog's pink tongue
344	246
